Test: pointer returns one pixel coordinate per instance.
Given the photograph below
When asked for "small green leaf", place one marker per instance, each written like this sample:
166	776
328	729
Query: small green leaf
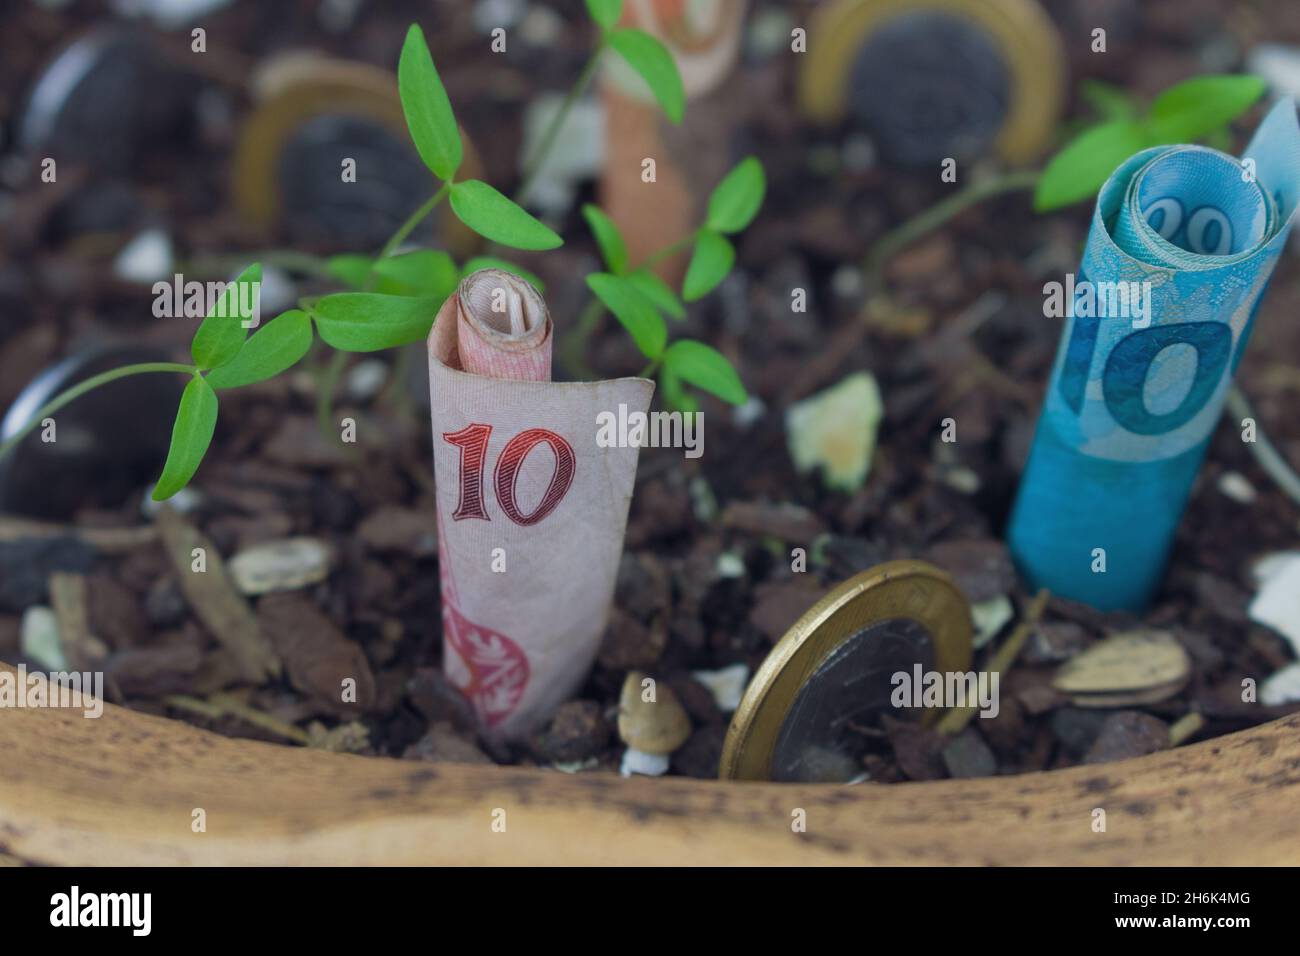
370	321
643	323
495	217
354	271
350	268
428	272
655	64
492	262
657	291
675	397
1080	169
427	109
736	200
275	347
612	247
1199	106
196	420
1108	101
605	12
707	368
710	263
221	335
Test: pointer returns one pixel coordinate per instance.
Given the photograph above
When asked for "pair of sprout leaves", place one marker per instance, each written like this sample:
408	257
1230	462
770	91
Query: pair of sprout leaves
408	289
1192	110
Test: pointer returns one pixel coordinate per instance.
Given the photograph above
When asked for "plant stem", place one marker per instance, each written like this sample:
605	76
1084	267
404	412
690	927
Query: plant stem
534	164
935	216
667	252
330	377
1265	452
325	388
651	368
576	340
955	721
406	228
81	388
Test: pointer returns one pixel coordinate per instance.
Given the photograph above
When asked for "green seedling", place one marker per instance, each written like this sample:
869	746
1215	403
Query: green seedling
1195	110
392	297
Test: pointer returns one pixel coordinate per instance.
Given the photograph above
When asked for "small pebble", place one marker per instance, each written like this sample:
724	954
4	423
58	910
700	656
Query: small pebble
989	617
1278	64
164	605
657	726
1264	567
726	684
39	638
281	565
749	414
578	732
1055	642
1235	486
1282	687
768	34
730	565
847	282
146	258
981	567
962	479
184	502
835	431
704	504
639	762
541	26
1277	605
1128	733
366	379
444	744
969	756
858	154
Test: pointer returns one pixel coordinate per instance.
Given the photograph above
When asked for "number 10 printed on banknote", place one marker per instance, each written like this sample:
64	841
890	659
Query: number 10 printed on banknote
1133	398
531	511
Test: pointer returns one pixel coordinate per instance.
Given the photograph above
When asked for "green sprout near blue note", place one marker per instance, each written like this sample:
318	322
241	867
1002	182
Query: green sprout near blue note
1194	110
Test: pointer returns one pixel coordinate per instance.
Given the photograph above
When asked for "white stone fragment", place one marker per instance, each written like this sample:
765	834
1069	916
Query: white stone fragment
989	617
39	638
727	685
146	258
1277	603
1281	688
835	430
1234	485
648	765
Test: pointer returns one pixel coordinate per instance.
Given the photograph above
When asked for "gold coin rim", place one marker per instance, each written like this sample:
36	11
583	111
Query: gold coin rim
1021	30
764	707
314	88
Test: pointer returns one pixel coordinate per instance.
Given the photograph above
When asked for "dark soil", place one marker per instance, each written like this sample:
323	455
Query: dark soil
964	338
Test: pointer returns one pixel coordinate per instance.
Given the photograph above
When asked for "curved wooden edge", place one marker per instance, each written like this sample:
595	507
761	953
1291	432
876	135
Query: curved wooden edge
123	789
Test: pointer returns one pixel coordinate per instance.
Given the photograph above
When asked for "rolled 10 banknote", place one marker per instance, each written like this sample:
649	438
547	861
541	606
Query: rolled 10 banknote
1183	242
531	511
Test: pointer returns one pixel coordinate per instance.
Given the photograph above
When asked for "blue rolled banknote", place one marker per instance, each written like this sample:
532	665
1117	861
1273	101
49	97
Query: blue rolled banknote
1182	245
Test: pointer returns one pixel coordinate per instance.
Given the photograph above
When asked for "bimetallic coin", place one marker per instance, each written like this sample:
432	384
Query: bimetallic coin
933	79
107	443
832	672
312	114
106	100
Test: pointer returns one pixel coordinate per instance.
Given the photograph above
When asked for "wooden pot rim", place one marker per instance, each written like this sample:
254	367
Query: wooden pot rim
122	790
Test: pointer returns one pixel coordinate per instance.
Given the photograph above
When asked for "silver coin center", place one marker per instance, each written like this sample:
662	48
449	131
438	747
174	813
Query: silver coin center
819	741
